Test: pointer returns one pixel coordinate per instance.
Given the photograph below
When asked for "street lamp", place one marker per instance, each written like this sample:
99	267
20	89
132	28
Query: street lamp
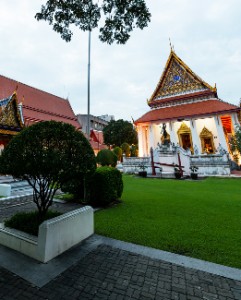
88	88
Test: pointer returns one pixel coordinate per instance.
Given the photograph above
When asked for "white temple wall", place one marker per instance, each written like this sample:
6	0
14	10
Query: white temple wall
235	121
172	132
156	135
195	135
140	140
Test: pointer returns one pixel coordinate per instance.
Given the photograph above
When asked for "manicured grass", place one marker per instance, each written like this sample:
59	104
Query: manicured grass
200	219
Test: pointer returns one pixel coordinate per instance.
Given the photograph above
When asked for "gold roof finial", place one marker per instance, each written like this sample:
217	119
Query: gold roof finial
171	46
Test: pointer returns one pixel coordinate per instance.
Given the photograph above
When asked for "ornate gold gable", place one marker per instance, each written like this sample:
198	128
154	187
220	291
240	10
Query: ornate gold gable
10	119
185	137
178	78
207	142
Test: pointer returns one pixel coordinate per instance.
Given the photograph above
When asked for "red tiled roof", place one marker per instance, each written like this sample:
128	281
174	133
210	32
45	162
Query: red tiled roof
38	105
198	109
97	146
97	136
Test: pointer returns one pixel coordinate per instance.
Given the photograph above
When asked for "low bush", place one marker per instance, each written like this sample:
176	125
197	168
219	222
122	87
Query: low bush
118	152
106	157
29	221
107	186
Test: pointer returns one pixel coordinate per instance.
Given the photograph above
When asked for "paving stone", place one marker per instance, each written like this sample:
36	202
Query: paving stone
109	273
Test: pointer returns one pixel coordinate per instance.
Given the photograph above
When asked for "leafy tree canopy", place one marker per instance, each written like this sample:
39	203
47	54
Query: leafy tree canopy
47	155
120	17
118	132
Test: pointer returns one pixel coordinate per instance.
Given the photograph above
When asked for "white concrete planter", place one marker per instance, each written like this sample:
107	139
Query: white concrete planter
5	190
55	235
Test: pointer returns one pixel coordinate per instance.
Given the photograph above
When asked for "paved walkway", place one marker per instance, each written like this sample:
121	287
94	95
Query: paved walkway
102	268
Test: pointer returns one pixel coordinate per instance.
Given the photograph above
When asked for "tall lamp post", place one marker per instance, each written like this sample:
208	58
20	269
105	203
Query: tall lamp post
88	88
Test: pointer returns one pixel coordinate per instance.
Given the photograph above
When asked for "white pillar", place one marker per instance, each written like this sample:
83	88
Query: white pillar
195	136
173	137
151	137
140	140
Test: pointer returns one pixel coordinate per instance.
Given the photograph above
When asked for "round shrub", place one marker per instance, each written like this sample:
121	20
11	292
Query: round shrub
106	158
118	152
107	186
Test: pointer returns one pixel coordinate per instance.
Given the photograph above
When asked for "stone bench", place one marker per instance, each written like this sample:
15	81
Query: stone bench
55	235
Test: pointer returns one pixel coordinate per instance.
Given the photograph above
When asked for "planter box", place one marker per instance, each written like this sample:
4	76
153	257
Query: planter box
55	235
5	190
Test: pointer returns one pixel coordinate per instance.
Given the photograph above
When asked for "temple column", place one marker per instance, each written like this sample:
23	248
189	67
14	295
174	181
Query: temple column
195	137
152	142
172	132
235	122
140	141
221	135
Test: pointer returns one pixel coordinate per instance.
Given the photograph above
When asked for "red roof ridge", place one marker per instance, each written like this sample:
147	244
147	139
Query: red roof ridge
48	112
29	86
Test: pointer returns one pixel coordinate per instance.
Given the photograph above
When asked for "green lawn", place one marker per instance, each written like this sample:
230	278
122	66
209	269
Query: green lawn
200	219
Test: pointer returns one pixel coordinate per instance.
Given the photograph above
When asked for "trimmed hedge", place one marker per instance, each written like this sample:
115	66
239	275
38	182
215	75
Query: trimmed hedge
29	221
106	158
107	186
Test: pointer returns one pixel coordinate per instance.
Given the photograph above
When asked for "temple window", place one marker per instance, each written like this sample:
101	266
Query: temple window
207	143
185	137
227	129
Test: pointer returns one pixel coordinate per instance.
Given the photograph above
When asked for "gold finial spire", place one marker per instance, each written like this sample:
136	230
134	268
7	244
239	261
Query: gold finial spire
171	46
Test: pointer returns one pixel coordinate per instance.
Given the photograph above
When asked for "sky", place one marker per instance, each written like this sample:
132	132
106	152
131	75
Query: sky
205	34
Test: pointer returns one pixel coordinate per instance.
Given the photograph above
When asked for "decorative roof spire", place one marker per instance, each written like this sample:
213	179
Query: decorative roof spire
171	46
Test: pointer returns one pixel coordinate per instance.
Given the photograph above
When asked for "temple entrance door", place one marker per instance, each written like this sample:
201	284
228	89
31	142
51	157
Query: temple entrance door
186	141
185	137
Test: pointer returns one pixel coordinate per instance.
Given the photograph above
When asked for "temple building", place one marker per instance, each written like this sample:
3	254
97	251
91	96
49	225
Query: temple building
23	105
187	123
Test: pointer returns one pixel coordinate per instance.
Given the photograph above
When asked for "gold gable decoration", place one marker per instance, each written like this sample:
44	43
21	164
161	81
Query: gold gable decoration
178	78
10	116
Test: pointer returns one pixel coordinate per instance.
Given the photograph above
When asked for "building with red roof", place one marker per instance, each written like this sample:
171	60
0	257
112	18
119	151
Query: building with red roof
186	114
38	105
23	105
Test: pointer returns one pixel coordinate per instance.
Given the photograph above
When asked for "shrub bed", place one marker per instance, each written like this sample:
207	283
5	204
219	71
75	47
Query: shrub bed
107	186
29	221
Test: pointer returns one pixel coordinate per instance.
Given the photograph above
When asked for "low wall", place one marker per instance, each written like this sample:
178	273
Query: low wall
5	190
55	235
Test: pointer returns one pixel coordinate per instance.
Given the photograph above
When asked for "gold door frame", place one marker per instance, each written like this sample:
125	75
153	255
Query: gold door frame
184	129
205	133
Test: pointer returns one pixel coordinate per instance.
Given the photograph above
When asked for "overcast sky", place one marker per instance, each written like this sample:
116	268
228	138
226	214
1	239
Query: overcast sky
206	35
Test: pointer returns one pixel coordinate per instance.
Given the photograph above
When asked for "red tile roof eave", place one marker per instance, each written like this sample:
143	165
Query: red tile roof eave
189	116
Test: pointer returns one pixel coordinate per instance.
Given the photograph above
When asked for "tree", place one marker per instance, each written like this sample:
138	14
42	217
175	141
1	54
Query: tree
120	17
106	158
118	132
236	140
47	155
